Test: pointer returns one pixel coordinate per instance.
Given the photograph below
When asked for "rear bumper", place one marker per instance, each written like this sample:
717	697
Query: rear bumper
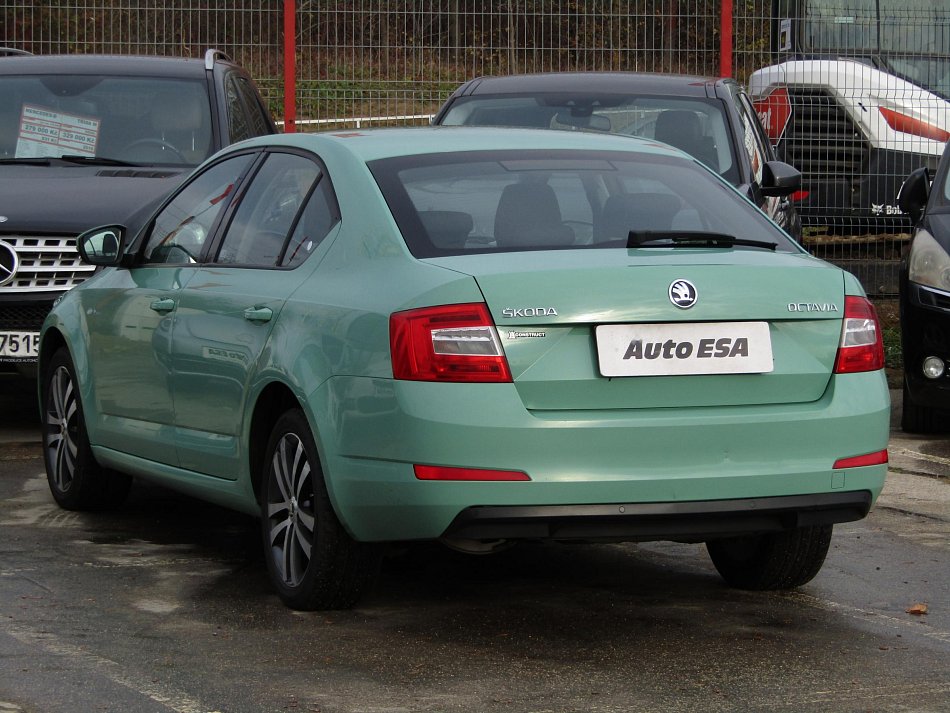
709	464
691	521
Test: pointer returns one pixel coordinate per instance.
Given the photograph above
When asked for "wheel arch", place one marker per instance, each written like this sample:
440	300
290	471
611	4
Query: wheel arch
53	340
275	399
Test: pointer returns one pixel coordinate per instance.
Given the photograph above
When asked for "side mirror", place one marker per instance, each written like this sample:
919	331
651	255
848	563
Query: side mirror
913	195
102	246
780	179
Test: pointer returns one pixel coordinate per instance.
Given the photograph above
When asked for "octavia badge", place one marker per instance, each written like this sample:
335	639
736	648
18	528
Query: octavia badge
682	293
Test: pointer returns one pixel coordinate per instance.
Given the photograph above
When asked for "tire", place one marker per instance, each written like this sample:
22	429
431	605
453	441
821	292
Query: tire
916	418
76	480
312	561
782	560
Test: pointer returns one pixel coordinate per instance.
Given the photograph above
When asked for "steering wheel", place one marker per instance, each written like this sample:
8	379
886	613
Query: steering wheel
160	143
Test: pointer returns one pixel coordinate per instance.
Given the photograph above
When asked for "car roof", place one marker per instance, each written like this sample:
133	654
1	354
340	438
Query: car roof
372	144
592	83
114	65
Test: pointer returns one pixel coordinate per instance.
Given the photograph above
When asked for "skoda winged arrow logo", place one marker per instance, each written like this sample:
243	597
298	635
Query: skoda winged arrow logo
9	262
682	293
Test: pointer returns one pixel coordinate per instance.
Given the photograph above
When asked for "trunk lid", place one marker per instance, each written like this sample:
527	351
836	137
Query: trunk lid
547	307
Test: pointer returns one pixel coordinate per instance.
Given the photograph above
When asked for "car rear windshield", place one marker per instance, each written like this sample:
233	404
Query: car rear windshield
695	125
494	201
139	120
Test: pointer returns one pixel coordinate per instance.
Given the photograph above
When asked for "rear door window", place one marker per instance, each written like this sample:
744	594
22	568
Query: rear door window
268	211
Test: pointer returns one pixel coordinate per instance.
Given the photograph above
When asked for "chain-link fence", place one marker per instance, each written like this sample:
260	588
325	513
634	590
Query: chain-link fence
865	102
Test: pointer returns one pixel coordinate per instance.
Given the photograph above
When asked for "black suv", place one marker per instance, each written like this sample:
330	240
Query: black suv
711	119
87	140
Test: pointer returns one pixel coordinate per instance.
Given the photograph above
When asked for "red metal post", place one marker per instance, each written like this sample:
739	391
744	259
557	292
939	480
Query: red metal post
290	65
725	39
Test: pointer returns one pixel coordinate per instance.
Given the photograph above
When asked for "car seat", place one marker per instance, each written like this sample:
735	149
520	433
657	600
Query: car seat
447	229
529	215
682	129
636	211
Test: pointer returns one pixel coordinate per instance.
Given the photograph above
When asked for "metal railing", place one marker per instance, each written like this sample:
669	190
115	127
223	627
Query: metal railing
357	63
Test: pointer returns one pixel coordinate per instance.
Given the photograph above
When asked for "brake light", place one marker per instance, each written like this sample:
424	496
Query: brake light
861	347
447	343
910	125
437	472
877	458
799	196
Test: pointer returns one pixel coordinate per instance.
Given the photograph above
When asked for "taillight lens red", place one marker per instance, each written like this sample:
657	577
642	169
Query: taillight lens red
876	458
861	347
447	343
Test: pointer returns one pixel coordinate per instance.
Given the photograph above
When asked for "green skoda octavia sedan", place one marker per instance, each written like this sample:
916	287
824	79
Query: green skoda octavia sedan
478	336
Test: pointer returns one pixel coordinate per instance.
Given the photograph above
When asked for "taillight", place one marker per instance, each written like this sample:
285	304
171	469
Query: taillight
447	343
909	125
861	347
876	458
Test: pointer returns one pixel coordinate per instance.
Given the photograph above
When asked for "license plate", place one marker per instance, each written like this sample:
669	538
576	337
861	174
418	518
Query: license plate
20	345
680	349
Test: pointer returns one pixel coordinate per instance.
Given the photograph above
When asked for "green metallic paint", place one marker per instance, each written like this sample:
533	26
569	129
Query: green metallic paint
610	456
216	353
560	371
581	438
132	407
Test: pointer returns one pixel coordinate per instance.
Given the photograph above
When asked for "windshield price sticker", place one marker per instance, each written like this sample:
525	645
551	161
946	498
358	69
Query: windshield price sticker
20	345
44	132
680	349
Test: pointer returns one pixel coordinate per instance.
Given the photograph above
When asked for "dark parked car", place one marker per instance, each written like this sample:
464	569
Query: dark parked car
711	119
925	300
87	140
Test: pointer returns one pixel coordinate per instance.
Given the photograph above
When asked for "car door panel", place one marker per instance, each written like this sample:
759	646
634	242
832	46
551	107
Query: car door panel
129	358
220	333
227	313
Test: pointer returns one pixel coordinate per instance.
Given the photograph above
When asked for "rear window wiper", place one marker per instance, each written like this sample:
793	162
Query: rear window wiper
686	239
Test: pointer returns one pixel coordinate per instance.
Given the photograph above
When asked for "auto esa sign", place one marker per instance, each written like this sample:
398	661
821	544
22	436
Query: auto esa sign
684	349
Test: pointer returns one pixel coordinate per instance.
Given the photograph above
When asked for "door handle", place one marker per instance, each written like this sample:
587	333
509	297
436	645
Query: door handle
258	314
162	305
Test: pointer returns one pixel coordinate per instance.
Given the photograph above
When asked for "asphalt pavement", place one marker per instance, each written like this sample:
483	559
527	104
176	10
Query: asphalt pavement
163	606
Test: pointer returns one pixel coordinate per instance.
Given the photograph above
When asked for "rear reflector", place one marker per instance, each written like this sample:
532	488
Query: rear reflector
437	472
447	343
799	196
878	458
861	347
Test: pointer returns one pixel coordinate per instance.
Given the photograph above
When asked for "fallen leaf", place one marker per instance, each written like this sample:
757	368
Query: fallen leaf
917	609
